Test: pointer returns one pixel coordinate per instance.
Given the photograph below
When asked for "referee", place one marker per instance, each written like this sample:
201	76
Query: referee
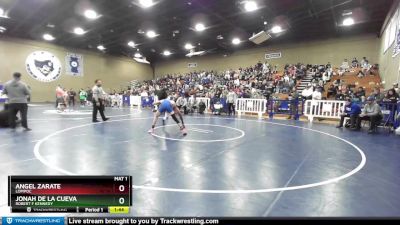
99	97
18	93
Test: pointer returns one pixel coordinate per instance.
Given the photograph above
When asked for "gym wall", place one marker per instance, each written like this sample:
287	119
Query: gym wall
115	72
315	52
389	65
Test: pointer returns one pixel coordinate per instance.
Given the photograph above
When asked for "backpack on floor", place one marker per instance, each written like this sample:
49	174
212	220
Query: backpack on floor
202	107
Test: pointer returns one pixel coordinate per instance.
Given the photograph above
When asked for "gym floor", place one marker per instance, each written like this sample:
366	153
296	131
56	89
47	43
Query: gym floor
225	166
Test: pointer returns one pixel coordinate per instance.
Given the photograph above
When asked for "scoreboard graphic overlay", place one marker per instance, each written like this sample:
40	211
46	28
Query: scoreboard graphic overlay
70	194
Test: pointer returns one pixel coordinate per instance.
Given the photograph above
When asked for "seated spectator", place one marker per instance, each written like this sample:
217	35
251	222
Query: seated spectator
347	91
341	71
377	95
328	65
345	65
396	88
371	112
360	94
317	95
326	76
332	91
337	83
354	63
307	92
360	74
340	96
144	93
351	110
391	97
366	68
181	102
364	61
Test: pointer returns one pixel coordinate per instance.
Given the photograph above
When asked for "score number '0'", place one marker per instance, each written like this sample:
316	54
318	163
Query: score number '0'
121	200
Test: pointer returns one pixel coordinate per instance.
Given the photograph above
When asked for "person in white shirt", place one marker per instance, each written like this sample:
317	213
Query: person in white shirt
307	92
230	100
144	94
345	65
317	95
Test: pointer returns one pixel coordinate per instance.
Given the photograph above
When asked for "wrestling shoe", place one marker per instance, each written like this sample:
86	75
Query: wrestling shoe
183	130
151	131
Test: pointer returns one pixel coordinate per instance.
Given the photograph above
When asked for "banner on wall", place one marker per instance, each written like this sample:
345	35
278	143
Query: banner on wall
274	55
2	97
396	48
74	64
43	66
192	65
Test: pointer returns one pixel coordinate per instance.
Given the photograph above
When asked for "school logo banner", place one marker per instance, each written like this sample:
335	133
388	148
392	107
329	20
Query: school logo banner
43	66
74	64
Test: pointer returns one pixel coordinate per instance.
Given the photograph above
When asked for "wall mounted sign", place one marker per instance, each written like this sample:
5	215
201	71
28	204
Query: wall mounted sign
192	65
274	55
74	64
43	66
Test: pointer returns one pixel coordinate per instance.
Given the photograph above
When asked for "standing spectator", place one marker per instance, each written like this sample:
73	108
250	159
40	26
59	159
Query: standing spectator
231	99
351	110
59	96
371	112
99	97
294	103
17	93
71	98
82	97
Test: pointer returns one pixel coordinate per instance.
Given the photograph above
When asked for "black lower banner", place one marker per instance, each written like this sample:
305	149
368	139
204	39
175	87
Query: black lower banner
219	221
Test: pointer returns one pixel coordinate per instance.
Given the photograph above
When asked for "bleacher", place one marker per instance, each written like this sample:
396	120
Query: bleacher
368	82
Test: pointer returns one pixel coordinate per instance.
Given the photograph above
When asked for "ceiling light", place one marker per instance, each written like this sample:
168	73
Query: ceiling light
151	34
166	53
79	31
276	29
200	27
236	41
146	3
131	44
250	6
348	21
1	12
101	47
188	46
220	37
2	29
48	37
90	14
347	13
138	55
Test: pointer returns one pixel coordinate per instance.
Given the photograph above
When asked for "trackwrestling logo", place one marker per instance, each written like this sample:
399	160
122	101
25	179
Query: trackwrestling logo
43	66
